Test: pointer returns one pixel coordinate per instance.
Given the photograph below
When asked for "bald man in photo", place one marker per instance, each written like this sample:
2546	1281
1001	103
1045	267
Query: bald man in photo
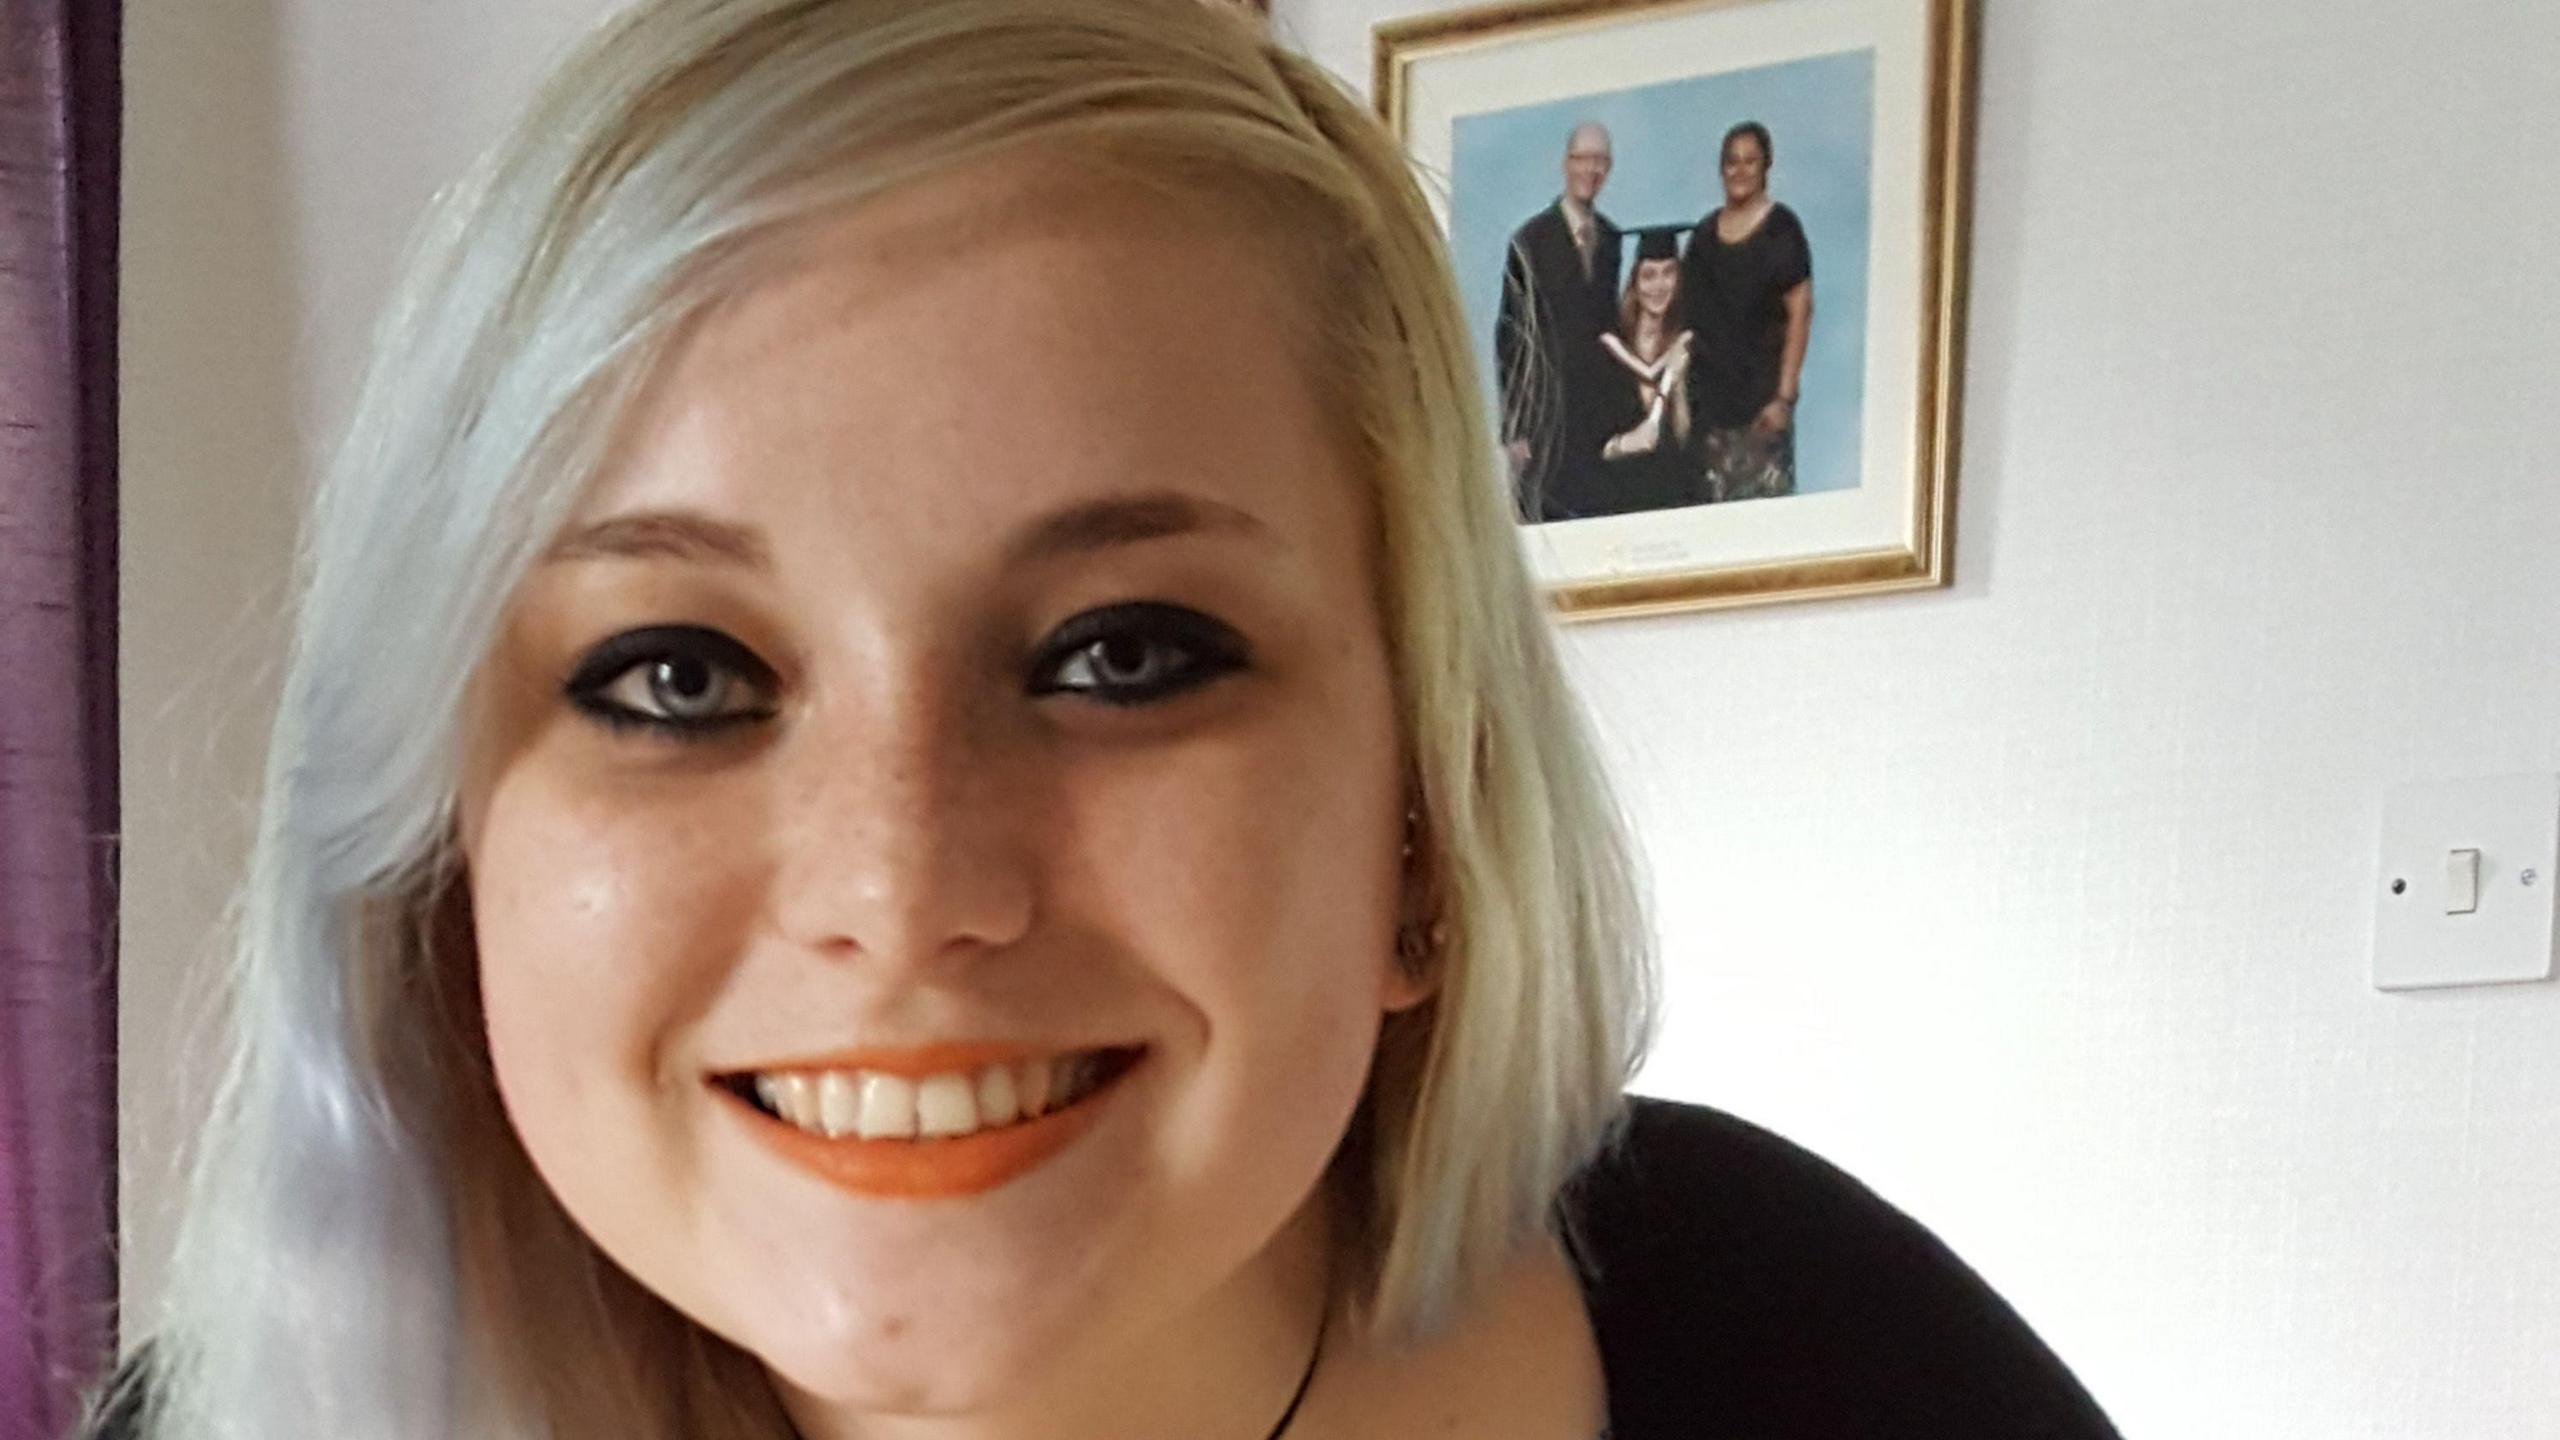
1559	295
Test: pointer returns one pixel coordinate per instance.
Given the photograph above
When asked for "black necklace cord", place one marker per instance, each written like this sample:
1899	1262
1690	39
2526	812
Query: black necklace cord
1309	1378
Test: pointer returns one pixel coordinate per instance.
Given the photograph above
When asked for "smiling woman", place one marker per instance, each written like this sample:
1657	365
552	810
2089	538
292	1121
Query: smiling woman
833	871
1044	754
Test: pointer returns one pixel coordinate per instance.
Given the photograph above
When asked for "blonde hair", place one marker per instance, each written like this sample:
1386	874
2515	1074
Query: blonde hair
366	1250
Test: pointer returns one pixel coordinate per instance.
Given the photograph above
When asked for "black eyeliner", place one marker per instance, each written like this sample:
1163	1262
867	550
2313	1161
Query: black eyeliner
618	655
611	657
1213	648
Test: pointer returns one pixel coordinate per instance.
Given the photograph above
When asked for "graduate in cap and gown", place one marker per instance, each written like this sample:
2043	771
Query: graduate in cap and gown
1648	458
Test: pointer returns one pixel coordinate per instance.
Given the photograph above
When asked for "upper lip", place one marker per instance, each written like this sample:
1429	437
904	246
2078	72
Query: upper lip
917	1061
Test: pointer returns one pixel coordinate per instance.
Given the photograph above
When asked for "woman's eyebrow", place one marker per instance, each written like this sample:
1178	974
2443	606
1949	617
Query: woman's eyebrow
1126	520
664	534
1092	525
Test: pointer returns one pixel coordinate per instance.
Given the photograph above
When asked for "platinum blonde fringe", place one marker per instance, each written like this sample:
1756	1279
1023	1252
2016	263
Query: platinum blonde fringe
364	1251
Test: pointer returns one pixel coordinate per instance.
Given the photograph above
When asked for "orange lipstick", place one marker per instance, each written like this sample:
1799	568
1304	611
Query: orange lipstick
925	1168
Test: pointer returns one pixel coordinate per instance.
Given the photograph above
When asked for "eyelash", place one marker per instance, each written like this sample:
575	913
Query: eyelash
1208	649
626	655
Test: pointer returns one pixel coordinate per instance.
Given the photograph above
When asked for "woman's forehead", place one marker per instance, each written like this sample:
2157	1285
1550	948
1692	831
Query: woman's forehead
974	354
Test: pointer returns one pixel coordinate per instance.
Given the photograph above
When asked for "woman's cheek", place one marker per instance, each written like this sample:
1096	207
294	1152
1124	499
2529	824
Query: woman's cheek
588	931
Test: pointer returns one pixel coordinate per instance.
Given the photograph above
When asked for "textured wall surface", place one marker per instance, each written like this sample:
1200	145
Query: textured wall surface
2041	903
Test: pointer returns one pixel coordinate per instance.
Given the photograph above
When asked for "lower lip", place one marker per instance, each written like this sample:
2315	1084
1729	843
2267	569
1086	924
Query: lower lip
940	1169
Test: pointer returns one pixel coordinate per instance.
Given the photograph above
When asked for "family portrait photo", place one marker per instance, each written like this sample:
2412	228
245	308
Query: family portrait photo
1707	251
1681	321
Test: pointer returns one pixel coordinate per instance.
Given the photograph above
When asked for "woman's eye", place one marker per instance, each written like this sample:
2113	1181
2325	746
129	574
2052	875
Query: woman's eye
681	680
1132	653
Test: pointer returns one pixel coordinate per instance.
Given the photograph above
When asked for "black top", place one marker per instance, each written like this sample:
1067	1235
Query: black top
1737	309
1742	1289
1663	478
1546	357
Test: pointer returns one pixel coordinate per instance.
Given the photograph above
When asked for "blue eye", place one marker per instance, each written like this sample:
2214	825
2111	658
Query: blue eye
683	681
1136	652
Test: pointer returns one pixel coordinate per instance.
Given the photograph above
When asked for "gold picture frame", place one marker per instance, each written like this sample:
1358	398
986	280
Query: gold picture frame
1467	92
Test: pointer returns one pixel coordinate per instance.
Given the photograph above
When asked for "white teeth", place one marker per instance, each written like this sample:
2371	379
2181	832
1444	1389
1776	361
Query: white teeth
1032	1076
998	1103
946	1105
839	1104
797	1100
877	1106
888	1106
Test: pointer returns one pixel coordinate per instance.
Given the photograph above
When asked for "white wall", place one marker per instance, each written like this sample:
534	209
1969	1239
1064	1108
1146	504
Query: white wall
2042	902
277	154
2039	902
208	492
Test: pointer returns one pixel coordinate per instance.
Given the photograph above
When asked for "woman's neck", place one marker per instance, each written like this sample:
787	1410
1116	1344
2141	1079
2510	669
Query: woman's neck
1224	1366
1522	1363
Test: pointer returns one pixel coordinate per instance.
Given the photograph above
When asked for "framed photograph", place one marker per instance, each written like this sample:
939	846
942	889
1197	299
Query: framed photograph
1712	252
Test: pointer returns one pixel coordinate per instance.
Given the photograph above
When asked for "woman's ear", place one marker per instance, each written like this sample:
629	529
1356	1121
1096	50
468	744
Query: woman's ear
1406	987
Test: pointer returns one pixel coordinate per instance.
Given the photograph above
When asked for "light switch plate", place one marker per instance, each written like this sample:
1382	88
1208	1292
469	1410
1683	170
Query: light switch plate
2514	822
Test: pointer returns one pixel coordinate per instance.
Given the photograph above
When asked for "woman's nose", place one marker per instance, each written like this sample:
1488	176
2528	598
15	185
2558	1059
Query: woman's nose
905	839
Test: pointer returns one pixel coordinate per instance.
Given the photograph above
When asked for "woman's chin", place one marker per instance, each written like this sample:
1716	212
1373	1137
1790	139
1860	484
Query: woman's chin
900	1375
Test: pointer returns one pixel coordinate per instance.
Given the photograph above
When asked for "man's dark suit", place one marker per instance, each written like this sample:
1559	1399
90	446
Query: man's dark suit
1546	353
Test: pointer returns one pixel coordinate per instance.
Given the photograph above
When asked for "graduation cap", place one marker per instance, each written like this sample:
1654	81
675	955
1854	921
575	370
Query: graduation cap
1658	242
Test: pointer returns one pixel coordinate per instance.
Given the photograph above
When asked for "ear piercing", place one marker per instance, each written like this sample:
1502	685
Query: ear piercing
1418	940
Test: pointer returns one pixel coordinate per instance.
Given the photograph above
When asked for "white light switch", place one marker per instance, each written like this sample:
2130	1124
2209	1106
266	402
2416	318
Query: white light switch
2466	892
2462	883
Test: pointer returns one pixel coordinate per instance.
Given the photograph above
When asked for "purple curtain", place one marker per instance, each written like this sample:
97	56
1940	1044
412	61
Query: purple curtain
59	120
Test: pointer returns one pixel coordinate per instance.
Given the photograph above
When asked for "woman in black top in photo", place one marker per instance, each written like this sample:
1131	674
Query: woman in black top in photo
1748	278
1648	461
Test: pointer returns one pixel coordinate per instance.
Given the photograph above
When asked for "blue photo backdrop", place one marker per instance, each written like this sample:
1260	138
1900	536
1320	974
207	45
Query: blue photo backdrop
1506	165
